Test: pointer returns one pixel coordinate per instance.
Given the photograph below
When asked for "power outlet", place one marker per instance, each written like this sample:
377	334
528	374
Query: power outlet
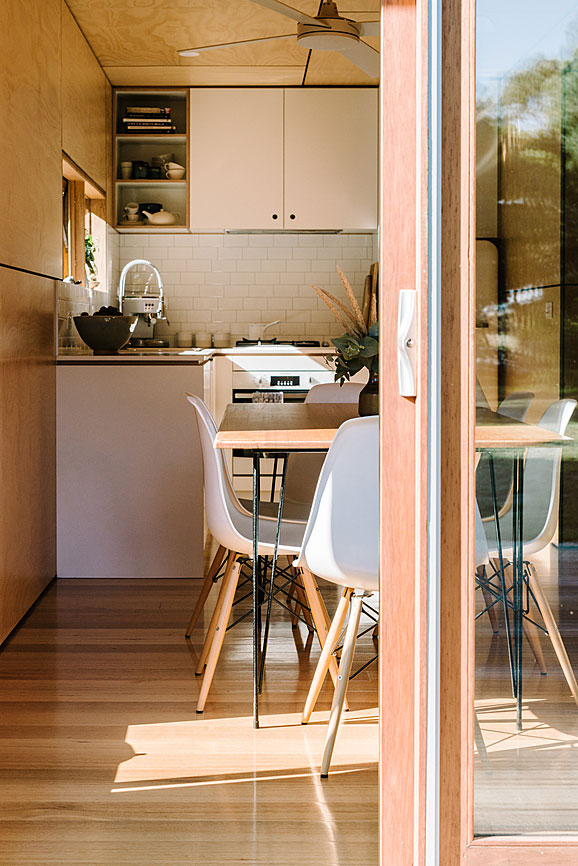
549	310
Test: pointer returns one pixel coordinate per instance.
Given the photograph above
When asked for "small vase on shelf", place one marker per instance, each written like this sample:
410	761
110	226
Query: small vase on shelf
369	396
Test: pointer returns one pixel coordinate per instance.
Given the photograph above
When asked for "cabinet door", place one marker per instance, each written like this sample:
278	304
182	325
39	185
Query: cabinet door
331	158
31	164
85	133
236	158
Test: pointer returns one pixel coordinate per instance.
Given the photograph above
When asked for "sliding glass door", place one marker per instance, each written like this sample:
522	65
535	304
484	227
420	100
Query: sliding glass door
479	469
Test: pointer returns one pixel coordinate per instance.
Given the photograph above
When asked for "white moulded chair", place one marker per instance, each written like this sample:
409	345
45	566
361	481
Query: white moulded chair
303	469
341	545
231	526
541	502
516	405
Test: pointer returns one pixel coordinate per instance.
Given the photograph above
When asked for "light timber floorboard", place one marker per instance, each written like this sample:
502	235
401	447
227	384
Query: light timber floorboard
529	785
103	760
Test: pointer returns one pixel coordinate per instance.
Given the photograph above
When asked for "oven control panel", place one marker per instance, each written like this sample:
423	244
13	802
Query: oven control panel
285	381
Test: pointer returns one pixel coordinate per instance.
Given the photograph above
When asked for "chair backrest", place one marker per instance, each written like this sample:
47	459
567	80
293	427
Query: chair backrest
481	399
516	405
341	541
482	553
541	489
333	392
220	499
542	480
303	469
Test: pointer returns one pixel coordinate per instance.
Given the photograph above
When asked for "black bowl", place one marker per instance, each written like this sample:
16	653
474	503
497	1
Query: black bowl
150	206
105	335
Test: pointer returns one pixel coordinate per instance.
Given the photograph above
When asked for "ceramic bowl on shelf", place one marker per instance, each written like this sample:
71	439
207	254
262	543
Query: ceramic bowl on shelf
105	335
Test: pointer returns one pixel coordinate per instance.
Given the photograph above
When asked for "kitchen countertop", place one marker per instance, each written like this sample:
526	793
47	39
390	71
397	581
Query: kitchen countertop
186	356
192	357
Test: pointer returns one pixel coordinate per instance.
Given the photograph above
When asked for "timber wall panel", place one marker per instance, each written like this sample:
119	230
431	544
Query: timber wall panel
85	103
27	442
31	164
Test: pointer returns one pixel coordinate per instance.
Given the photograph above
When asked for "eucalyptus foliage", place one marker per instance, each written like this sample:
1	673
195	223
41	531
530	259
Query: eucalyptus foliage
354	352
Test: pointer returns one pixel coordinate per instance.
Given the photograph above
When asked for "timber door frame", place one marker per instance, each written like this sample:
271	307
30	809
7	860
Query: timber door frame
458	117
428	75
404	425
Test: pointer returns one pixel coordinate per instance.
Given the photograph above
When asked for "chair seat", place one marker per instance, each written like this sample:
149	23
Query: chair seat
291	510
290	540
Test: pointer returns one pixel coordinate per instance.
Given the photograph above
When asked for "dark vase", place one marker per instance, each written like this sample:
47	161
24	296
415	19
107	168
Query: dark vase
369	396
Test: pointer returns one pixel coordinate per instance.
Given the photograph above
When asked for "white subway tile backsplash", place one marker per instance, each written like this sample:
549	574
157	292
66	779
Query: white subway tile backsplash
205	251
255	253
261	240
285	252
273	266
220	280
163	240
298	265
242	279
267	279
139	240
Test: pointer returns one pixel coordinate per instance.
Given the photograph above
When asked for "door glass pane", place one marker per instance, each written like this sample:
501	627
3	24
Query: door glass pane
526	697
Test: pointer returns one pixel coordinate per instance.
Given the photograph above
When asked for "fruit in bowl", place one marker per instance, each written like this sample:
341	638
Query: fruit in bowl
106	331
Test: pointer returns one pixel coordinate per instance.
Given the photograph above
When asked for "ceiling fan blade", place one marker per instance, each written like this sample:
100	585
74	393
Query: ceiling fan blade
364	57
368	28
290	12
194	52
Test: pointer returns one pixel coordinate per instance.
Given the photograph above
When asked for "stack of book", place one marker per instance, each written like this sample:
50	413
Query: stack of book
141	118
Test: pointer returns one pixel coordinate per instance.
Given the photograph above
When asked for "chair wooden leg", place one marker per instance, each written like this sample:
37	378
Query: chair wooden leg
489	602
319	613
305	611
213	623
530	631
533	637
553	632
206	588
293	605
220	629
342	682
323	663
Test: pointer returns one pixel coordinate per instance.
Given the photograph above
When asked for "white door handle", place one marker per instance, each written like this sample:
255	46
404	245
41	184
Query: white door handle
407	342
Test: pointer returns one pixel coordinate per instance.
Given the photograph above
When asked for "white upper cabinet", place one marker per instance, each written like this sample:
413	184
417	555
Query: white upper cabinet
269	158
236	158
331	158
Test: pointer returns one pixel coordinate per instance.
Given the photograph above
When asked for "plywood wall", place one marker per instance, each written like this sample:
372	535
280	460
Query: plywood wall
30	167
27	442
85	103
530	220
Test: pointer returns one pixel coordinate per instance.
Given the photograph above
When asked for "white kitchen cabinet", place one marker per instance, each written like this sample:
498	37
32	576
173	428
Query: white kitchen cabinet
236	158
331	158
129	470
274	158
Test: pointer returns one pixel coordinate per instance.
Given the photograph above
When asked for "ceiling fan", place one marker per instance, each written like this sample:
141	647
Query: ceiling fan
327	31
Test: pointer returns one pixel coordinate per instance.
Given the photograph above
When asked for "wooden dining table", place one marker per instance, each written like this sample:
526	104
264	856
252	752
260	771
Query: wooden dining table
282	428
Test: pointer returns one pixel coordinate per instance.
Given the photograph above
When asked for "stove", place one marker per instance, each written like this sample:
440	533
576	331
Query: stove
275	342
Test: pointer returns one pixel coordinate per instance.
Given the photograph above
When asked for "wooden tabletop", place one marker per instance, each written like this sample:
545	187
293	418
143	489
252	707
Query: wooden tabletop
310	426
498	431
282	426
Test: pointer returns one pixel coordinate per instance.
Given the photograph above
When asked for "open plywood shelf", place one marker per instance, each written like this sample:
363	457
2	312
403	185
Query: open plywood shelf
143	146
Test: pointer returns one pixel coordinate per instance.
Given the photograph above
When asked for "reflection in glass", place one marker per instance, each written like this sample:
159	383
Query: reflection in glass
526	770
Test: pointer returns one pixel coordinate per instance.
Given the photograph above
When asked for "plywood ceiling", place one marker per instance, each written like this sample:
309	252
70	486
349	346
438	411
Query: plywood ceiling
136	42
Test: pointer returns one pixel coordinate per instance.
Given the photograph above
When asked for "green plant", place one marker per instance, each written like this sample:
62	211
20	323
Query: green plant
90	248
359	346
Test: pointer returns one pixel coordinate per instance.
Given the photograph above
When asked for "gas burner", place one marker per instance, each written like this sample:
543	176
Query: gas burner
275	342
